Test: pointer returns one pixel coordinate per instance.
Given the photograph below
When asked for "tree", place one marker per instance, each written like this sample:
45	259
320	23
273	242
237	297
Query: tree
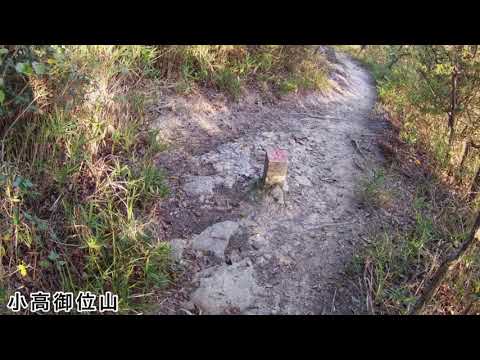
442	271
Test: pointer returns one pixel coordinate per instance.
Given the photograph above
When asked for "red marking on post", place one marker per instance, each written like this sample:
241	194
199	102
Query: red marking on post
277	155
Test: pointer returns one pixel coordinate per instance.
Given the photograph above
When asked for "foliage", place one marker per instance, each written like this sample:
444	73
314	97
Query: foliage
230	67
77	177
430	93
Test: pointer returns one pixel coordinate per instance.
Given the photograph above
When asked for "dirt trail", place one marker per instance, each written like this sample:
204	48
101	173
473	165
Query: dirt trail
283	252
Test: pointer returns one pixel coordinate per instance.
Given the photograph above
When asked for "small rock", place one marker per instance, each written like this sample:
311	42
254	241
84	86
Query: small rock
229	286
235	257
178	246
188	305
284	260
303	180
215	238
268	134
201	185
258	241
261	260
277	194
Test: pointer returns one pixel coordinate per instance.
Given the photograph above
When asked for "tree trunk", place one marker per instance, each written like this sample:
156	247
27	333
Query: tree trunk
469	144
469	307
466	151
396	58
475	186
362	47
453	108
443	269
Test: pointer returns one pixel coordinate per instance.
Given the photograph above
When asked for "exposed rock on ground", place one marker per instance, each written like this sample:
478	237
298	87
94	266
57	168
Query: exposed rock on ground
283	251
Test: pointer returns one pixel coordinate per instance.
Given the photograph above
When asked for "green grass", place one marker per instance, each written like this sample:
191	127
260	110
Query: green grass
98	214
392	259
397	261
76	186
230	68
374	192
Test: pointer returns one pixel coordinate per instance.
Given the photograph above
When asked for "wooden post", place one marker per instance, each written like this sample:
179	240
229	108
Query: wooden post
276	164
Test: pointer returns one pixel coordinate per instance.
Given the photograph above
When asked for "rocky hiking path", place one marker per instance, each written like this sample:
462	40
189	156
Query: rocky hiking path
240	249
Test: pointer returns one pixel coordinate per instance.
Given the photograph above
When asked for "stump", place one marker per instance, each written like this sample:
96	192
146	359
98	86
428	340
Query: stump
276	164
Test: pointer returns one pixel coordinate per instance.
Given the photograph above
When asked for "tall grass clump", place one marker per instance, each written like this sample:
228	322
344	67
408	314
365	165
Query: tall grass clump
77	181
230	67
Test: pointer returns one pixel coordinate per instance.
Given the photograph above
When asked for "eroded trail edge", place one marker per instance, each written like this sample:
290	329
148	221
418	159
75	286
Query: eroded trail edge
241	250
